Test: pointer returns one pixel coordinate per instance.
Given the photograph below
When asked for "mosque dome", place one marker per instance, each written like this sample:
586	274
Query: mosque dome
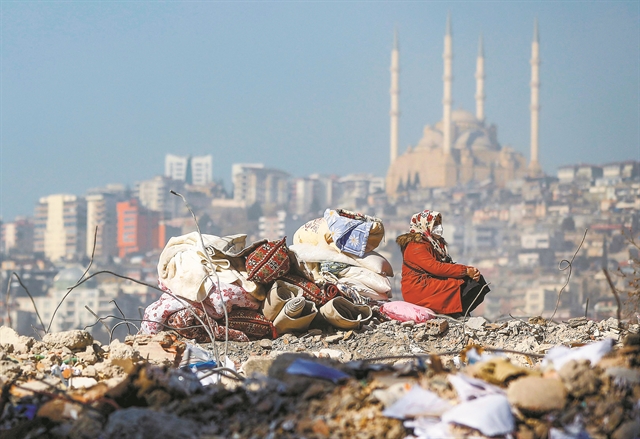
431	138
463	116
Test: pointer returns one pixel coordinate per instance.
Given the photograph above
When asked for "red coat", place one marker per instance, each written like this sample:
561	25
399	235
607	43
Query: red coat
441	294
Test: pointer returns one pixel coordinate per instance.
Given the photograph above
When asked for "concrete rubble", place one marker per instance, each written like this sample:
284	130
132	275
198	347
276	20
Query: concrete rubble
480	378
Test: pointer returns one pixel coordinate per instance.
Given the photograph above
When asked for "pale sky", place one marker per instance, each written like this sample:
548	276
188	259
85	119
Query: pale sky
97	92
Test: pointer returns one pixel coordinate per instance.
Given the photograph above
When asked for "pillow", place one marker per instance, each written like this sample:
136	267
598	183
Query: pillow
268	262
405	311
314	232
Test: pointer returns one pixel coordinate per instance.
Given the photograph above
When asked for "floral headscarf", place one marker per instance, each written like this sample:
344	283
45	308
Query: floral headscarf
423	222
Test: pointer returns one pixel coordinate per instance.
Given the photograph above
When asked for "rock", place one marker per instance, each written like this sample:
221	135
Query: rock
333	338
476	323
314	331
628	430
123	355
74	340
20	343
537	395
265	343
146	423
334	354
579	378
577	321
81	382
408	324
256	365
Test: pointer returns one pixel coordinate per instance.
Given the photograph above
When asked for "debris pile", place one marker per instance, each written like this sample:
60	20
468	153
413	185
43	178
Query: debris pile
388	379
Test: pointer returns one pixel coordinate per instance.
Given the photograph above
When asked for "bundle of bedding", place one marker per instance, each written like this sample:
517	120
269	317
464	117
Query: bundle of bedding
219	287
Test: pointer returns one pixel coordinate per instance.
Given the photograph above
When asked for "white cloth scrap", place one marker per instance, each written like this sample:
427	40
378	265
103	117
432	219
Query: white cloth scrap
491	415
469	388
417	402
560	355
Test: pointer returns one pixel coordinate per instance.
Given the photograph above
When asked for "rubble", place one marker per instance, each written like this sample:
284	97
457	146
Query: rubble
331	383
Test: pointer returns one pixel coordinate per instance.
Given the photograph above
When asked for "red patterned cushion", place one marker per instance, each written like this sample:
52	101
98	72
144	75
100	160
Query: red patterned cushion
252	323
268	262
310	291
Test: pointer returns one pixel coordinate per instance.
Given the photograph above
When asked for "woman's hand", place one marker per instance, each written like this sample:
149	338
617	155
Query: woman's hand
473	273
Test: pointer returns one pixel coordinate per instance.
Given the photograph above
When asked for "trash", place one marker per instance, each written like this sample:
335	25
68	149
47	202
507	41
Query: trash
593	352
469	388
491	415
316	370
417	402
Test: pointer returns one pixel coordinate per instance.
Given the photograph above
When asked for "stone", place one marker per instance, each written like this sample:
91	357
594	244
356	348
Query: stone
266	344
579	378
334	354
146	423
537	396
476	323
314	331
74	340
81	382
408	324
123	355
20	343
627	430
333	338
256	365
577	321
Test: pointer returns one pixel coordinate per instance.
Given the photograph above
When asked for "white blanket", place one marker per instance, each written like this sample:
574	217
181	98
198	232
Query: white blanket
185	269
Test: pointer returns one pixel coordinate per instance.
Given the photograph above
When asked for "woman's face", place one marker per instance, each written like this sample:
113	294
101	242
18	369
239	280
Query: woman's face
437	221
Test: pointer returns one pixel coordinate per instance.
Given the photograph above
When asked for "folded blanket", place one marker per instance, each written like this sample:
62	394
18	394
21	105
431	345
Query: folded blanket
187	271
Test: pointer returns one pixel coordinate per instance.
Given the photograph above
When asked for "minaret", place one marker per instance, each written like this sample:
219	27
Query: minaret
534	164
480	82
447	100
395	91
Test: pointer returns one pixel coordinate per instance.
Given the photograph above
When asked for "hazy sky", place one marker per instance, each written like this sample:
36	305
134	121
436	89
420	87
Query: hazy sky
98	92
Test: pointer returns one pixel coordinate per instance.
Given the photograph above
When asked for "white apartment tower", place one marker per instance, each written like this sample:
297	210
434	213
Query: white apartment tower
197	170
61	227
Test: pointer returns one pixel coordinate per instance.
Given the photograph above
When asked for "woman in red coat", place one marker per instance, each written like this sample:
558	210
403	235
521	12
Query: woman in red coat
429	277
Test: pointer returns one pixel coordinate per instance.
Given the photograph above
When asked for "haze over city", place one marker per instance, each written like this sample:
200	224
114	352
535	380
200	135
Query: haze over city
97	93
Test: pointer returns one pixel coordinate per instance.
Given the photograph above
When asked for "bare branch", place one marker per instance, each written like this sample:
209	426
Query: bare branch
30	297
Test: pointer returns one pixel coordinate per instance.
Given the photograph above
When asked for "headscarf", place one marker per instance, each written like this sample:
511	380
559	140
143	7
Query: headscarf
423	223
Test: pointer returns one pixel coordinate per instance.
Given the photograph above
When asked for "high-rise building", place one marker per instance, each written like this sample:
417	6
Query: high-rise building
101	213
60	227
155	194
253	183
137	228
17	236
196	170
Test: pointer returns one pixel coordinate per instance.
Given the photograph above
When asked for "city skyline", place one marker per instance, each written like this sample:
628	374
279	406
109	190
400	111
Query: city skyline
95	94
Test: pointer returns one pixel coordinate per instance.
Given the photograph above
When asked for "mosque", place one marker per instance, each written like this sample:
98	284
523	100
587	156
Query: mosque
462	147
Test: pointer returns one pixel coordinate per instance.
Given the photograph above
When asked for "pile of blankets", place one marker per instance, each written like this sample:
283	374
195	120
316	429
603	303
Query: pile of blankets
217	287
